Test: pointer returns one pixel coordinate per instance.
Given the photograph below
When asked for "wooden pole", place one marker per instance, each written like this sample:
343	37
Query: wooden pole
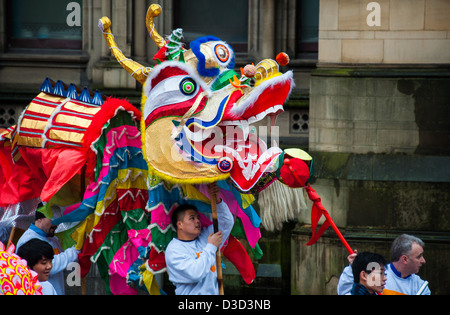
218	254
338	233
83	286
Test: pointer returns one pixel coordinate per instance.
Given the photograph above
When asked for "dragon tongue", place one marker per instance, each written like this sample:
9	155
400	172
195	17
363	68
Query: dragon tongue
273	120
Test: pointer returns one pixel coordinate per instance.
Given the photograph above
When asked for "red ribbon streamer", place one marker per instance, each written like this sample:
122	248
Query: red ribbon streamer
316	213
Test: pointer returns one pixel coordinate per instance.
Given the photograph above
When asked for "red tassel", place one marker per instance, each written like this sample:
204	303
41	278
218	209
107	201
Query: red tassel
237	255
316	213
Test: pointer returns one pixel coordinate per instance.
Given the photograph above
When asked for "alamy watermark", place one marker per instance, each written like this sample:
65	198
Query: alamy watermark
73	278
378	274
74	16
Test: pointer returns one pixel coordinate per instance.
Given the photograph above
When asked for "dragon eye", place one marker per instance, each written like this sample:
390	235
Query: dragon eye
222	53
188	86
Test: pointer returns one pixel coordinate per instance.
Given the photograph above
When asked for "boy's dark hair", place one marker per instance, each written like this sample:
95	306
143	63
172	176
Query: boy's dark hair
364	261
35	250
178	213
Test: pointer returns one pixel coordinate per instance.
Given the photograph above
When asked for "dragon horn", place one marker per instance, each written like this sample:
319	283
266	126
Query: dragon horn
137	71
153	11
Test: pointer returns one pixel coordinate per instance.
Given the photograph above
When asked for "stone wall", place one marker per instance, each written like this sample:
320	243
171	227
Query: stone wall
380	111
408	32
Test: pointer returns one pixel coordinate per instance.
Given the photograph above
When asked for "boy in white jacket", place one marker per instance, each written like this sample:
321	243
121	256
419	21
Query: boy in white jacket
39	256
191	257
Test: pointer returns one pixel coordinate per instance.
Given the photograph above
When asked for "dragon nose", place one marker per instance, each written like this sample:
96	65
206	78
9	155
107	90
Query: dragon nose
266	70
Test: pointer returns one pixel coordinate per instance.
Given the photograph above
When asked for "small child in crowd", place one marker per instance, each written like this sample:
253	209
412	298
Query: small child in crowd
369	274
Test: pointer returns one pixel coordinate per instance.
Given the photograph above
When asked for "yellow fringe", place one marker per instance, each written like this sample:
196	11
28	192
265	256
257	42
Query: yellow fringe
191	181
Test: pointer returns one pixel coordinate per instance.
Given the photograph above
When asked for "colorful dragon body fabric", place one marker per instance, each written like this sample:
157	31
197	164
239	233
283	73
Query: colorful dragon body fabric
111	175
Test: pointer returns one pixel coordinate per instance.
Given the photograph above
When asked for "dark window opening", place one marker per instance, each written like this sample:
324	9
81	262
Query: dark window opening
307	39
44	24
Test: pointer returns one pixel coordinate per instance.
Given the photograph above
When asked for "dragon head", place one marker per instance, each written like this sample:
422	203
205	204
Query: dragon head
197	110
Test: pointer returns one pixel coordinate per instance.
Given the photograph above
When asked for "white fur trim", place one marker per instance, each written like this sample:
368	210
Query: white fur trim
257	91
